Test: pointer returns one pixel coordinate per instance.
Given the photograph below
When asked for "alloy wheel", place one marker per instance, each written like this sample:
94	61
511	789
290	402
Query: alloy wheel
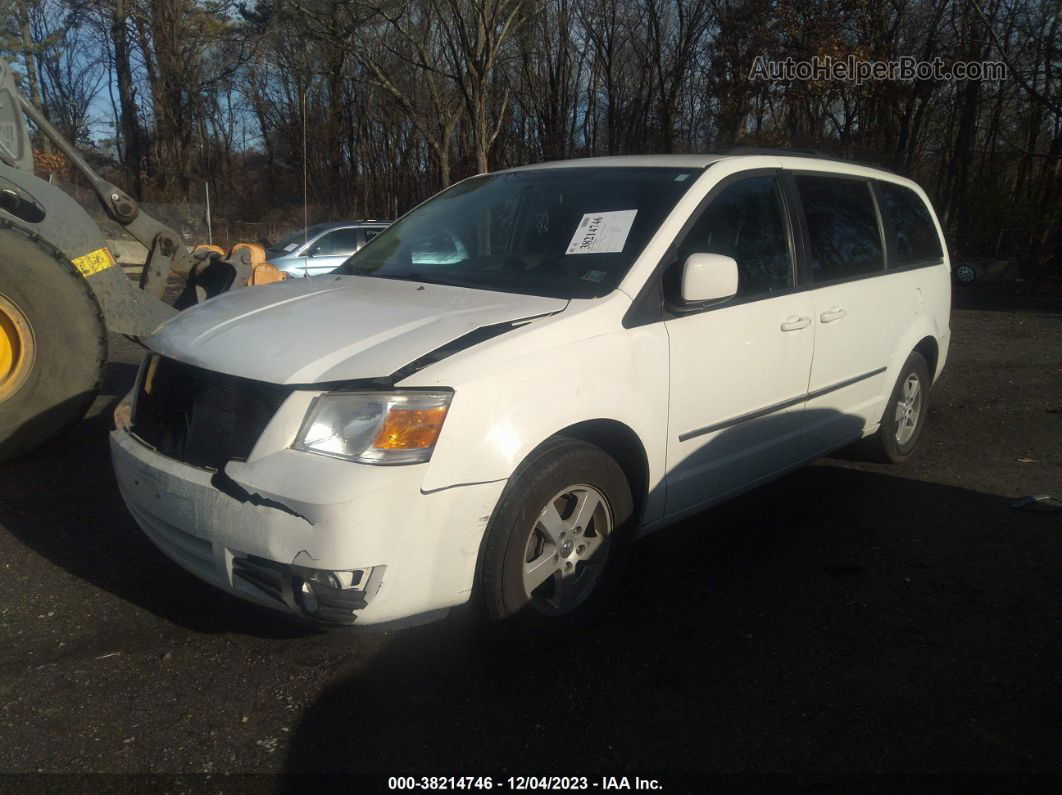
908	409
566	549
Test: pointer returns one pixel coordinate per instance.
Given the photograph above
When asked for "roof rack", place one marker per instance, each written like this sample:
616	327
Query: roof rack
784	152
776	150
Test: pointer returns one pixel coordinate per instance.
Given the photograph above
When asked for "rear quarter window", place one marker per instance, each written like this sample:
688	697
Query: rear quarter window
915	237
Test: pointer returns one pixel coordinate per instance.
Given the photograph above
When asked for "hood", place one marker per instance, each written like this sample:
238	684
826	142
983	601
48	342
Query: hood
333	328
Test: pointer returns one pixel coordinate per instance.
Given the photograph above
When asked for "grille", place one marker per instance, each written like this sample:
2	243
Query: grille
201	417
265	575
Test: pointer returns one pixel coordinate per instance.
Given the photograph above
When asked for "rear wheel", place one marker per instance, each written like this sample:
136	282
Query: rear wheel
905	413
556	543
53	344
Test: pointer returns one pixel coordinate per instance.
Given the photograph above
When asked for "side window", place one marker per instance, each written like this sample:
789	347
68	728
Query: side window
341	241
842	227
916	237
746	222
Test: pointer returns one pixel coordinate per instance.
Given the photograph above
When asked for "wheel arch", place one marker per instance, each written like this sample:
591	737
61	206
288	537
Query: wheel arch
930	350
923	336
617	439
620	442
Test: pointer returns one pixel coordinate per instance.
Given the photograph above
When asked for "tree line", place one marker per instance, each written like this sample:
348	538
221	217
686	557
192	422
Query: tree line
377	104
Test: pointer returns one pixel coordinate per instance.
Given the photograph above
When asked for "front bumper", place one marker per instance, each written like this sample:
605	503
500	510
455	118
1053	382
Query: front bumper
296	513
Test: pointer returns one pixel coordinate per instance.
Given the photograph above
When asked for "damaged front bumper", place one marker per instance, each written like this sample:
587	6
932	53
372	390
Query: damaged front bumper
327	540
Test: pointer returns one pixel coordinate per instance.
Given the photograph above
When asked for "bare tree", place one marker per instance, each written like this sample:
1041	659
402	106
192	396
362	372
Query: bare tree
72	71
401	97
474	36
405	42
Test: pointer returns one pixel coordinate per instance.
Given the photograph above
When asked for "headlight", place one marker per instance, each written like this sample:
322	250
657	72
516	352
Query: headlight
374	427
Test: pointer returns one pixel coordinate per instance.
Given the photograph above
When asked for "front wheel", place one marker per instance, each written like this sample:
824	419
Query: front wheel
557	542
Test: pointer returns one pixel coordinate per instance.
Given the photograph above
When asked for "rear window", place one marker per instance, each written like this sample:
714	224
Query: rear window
842	227
295	239
916	239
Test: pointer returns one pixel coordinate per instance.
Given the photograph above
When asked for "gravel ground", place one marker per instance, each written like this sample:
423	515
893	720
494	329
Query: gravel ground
848	618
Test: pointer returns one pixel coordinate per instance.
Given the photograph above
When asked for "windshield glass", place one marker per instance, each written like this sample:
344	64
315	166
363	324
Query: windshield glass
566	232
296	239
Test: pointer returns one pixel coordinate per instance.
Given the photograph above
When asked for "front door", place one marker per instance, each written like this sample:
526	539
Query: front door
330	251
739	370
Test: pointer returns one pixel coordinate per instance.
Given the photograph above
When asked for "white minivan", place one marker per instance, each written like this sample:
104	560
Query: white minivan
621	343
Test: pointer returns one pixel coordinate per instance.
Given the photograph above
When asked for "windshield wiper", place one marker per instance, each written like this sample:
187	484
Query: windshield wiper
421	277
409	277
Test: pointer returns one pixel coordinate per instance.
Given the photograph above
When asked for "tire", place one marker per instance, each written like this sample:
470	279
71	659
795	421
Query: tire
572	476
51	321
891	443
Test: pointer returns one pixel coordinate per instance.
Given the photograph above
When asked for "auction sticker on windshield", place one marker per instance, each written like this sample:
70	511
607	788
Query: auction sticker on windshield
602	233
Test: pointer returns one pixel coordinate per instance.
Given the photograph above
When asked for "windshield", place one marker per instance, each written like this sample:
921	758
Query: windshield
296	239
566	232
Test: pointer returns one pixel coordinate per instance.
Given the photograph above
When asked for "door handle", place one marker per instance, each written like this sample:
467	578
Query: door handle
832	314
794	323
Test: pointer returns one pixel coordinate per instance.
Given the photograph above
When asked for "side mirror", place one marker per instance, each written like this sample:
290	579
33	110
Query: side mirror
709	277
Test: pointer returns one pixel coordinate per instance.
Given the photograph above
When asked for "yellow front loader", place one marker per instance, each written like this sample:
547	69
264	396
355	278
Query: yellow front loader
61	291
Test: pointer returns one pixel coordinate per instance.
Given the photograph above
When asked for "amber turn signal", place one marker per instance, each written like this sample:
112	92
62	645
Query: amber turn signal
410	429
375	427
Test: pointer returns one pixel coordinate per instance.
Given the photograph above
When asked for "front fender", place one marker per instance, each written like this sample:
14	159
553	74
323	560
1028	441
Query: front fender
495	422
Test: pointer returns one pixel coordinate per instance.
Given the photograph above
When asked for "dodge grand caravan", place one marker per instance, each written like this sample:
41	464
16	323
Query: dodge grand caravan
621	342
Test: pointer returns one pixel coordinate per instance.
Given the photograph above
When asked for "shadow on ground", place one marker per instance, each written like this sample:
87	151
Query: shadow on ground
836	620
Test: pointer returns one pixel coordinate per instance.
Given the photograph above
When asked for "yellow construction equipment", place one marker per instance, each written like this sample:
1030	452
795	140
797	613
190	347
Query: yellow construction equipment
61	291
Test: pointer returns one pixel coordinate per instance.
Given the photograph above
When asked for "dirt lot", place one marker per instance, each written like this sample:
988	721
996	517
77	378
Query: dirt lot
848	618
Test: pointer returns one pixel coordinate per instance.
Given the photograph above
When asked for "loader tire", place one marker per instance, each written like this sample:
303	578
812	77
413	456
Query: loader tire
53	343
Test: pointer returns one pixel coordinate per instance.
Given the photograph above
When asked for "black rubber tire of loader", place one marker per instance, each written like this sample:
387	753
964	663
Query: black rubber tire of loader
69	339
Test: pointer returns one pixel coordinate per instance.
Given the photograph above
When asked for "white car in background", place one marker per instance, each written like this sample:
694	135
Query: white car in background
621	342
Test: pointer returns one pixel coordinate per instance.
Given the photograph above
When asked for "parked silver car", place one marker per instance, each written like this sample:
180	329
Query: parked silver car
322	247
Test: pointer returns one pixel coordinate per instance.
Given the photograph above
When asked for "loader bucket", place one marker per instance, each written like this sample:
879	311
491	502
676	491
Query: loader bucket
255	252
261	272
266	273
205	249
